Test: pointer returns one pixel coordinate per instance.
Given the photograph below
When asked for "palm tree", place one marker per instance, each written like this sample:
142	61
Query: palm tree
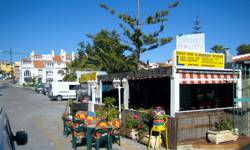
218	49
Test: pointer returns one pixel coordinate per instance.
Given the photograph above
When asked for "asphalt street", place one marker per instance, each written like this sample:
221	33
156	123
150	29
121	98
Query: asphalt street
41	119
35	114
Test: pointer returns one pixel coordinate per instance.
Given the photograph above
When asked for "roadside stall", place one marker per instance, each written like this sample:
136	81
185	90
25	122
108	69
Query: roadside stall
202	93
195	92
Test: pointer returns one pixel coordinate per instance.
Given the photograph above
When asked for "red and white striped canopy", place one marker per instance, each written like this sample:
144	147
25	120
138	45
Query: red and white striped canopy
206	78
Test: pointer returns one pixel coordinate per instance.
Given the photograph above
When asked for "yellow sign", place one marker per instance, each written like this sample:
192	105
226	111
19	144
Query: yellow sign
194	59
88	77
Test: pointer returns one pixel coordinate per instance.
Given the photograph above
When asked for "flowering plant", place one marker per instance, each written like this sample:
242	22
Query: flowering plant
137	123
133	121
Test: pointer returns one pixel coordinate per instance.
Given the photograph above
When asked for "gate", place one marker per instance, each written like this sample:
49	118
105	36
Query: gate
241	116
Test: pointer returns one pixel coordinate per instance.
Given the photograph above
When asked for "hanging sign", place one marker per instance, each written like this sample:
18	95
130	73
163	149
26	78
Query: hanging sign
88	77
194	59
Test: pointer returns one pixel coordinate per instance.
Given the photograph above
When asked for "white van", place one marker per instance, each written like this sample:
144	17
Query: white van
63	90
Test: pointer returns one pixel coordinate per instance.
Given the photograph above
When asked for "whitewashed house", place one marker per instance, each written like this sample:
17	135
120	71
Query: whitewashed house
44	67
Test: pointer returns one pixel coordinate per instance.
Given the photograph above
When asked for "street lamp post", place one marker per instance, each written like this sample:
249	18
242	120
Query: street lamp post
118	84
93	85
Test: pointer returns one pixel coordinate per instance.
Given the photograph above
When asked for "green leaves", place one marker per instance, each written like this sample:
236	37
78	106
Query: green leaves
218	49
107	53
164	41
141	42
243	49
175	4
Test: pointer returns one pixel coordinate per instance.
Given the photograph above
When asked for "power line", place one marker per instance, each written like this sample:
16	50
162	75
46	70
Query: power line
10	52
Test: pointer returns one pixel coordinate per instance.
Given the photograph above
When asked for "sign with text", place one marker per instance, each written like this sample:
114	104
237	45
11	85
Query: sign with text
191	42
88	77
194	59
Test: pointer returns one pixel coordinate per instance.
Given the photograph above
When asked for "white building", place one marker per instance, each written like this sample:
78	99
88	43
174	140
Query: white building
44	68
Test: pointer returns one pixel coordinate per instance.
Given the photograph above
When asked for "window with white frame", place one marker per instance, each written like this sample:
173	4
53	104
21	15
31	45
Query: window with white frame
49	73
40	71
27	73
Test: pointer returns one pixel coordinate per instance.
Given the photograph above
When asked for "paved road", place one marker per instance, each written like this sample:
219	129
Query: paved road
41	119
35	114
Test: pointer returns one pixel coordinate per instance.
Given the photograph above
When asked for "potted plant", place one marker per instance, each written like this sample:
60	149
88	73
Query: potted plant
223	132
132	121
136	125
109	111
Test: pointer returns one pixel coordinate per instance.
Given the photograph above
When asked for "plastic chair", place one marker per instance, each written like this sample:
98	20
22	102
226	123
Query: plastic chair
66	125
103	135
159	128
78	128
116	126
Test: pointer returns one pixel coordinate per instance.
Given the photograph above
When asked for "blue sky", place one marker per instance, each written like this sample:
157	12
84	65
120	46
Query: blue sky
43	25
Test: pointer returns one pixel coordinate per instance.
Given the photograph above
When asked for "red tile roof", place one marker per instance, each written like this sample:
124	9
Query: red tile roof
38	55
57	58
39	63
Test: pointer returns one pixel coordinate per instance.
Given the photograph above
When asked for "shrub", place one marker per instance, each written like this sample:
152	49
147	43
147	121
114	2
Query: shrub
224	124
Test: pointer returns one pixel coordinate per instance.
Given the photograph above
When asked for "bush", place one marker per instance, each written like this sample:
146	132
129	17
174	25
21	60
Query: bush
224	124
137	122
109	111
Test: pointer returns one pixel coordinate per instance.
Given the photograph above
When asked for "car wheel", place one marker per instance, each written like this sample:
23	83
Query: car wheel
59	98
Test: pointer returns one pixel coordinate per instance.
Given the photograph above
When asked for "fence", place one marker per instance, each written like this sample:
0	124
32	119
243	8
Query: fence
193	126
242	115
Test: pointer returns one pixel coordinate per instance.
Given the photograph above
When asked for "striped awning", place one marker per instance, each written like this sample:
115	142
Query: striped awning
206	78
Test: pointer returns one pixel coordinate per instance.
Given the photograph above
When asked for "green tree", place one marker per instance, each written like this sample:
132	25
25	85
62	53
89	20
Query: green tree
218	49
78	63
197	25
243	49
139	41
107	54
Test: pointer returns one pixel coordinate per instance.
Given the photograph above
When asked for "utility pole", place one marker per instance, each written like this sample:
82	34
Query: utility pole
138	14
11	65
10	52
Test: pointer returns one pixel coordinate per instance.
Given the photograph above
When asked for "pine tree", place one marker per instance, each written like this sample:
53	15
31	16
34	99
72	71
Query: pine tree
138	41
197	25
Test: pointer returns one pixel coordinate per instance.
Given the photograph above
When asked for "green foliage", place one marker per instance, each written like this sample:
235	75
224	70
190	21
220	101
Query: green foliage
109	111
77	64
106	49
136	122
225	124
138	41
218	49
243	49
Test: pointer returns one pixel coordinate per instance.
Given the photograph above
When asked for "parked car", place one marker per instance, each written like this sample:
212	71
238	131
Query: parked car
63	90
6	136
46	89
39	88
81	91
